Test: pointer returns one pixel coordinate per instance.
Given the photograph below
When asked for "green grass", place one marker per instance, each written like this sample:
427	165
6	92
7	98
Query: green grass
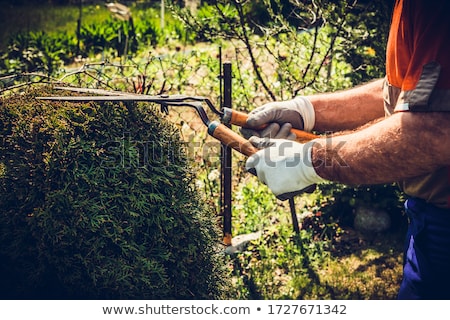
328	260
47	18
52	19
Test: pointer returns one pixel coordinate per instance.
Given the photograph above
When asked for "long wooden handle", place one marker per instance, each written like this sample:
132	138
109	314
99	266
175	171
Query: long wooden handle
237	142
231	139
239	118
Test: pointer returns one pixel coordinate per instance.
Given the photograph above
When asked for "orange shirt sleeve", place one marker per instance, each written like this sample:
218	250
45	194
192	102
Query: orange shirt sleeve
420	34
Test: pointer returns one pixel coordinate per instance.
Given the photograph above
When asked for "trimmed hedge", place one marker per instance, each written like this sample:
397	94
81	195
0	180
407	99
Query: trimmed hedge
98	202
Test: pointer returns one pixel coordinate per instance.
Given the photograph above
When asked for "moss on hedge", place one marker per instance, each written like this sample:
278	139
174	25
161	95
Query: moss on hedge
98	202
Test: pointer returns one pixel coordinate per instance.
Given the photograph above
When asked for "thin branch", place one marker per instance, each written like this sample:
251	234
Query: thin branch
247	43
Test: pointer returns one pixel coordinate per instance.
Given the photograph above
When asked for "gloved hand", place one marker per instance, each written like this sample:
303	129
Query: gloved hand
280	116
284	166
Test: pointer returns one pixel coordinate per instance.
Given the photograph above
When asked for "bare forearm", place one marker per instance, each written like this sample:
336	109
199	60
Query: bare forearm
399	147
349	109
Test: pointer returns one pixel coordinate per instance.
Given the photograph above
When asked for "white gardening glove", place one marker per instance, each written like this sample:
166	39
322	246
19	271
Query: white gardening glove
280	116
283	165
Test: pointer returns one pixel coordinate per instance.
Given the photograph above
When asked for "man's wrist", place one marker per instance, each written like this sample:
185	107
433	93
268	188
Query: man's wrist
324	159
309	173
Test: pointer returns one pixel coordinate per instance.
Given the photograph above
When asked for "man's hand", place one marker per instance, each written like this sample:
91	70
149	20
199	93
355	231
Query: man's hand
280	117
283	165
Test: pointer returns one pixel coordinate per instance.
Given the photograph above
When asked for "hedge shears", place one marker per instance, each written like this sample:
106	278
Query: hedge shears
217	129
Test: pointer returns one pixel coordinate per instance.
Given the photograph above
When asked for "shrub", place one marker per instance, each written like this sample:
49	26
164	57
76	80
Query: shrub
98	202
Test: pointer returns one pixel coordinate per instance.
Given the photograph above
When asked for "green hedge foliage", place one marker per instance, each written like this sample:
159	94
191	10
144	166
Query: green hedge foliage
98	202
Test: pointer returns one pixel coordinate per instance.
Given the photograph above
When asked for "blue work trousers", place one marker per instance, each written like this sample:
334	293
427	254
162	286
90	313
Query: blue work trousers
426	271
